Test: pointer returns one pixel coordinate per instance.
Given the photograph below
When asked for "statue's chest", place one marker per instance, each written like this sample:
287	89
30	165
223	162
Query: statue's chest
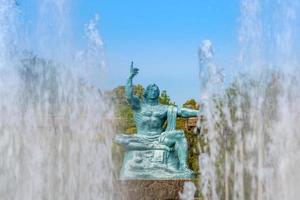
153	112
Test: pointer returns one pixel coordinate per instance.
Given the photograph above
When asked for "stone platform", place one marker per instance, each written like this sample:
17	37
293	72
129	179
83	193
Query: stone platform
149	189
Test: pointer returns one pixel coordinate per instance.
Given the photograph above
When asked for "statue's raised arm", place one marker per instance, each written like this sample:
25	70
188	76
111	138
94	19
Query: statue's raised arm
133	100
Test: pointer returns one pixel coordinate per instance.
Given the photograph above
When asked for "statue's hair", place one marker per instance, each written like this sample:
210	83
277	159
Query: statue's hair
148	88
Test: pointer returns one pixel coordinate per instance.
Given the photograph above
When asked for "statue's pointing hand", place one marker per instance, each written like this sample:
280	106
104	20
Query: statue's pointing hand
133	71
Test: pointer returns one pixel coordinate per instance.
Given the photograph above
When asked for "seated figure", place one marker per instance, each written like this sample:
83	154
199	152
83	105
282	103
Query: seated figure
154	152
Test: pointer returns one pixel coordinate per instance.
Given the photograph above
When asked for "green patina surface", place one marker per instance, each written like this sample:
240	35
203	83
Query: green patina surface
154	140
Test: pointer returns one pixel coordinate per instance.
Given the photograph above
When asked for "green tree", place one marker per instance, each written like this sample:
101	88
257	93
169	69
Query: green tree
139	90
191	103
117	95
165	99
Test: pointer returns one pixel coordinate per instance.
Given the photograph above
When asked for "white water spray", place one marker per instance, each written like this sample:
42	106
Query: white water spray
253	125
55	124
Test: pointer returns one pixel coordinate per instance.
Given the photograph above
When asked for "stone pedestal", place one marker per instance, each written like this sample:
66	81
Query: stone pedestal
149	189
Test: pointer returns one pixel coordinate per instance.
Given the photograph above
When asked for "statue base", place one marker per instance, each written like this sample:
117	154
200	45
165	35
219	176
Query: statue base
152	165
150	189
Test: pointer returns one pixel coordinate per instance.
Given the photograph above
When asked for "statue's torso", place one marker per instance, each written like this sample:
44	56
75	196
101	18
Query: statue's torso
150	119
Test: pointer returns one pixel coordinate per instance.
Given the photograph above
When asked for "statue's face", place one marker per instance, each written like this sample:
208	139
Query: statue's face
152	91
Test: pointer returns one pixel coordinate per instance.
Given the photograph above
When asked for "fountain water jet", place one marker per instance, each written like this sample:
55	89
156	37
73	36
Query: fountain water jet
253	132
55	124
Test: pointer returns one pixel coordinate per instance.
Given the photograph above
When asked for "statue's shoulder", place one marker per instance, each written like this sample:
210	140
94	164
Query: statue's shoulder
172	107
169	108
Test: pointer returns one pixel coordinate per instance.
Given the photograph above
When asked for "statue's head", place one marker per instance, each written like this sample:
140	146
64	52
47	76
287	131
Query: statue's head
152	92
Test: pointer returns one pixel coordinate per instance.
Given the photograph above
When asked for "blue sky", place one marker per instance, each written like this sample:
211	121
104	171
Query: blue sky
160	36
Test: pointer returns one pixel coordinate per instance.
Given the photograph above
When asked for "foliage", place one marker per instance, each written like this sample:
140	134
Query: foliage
191	103
165	99
139	90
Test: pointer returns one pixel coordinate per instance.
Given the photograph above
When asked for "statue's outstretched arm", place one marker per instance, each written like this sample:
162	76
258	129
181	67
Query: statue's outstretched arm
186	112
133	100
